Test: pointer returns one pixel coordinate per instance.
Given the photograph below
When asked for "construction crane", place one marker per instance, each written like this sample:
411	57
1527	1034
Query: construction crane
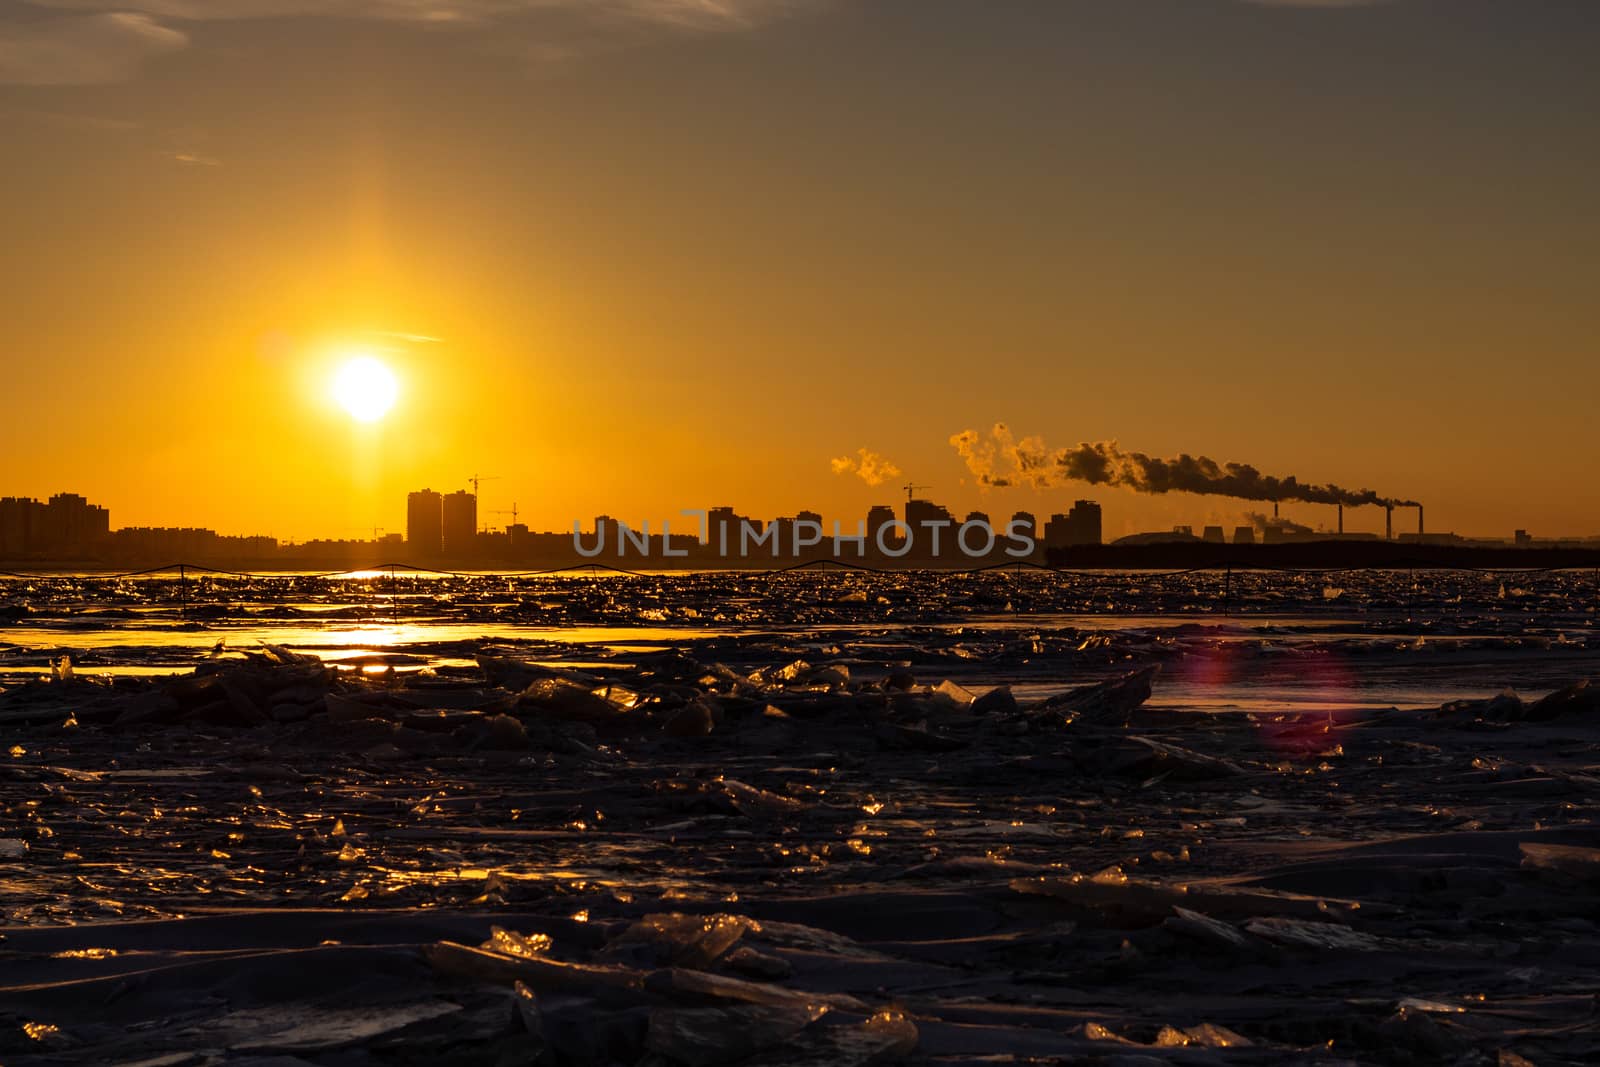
476	478
912	489
512	513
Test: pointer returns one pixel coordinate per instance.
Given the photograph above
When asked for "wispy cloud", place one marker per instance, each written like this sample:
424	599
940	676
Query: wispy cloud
68	120
191	159
83	49
1319	3
112	39
704	14
410	338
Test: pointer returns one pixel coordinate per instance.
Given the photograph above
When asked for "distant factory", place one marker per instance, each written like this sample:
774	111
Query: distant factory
1275	529
445	529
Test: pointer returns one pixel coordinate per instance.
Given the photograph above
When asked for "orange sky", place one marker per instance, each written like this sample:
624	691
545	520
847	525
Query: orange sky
672	258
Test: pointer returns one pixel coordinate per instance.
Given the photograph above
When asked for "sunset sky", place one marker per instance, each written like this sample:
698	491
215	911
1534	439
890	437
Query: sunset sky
631	256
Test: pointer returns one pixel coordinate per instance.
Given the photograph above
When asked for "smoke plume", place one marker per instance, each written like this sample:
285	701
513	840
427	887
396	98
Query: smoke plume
1263	523
870	467
999	460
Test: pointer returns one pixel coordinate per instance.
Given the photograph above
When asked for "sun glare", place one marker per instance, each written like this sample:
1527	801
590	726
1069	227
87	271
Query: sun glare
365	388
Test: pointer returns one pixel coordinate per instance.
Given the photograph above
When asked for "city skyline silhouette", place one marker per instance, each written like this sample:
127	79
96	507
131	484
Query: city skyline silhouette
772	533
625	255
448	529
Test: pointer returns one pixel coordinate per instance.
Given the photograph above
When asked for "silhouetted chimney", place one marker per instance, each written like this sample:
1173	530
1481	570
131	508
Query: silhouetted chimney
1419	520
1341	519
1388	522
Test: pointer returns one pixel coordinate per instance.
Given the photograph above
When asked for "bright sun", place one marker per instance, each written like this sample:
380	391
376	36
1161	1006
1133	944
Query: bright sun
365	388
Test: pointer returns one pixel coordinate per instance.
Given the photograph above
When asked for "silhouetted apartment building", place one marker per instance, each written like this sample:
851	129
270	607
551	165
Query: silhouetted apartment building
1057	531
725	530
1085	523
364	553
785	536
16	524
460	523
67	523
159	544
783	532
933	529
1080	526
920	513
880	516
72	520
1025	524
425	524
609	538
610	533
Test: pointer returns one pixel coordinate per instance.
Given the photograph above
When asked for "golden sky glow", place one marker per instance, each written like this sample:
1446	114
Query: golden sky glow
681	258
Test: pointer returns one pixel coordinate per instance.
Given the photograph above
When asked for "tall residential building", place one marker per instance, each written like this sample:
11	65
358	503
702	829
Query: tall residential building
70	520
1084	520
725	530
919	512
460	524
18	517
425	524
1055	531
1080	526
933	529
785	534
67	522
878	517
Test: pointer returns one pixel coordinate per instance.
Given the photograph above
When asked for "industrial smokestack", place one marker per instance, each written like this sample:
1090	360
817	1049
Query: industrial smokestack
1001	460
1388	522
1274	509
1341	520
1419	520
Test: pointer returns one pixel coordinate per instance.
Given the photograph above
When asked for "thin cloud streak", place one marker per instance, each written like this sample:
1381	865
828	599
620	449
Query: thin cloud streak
83	49
700	14
70	121
116	38
1320	3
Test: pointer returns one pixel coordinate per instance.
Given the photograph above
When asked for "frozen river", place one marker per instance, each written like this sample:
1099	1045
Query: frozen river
1227	640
